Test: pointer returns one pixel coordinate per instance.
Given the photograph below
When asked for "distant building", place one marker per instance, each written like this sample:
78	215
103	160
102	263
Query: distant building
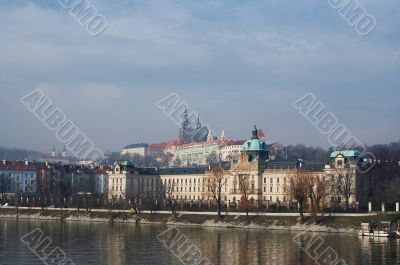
157	150
345	179
197	154
54	157
17	176
231	149
101	176
141	149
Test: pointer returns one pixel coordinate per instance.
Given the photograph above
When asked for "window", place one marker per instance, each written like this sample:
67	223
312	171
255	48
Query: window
265	180
277	180
271	180
270	189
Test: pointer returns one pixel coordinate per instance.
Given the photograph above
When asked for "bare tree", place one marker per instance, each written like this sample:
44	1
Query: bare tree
214	185
317	192
299	190
244	185
43	187
87	191
3	187
345	181
133	199
169	189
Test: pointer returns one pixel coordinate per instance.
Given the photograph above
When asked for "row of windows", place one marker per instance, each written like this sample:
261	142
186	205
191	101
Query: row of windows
271	180
271	189
272	198
23	176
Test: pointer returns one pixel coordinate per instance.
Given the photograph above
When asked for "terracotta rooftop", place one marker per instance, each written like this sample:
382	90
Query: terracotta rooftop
17	166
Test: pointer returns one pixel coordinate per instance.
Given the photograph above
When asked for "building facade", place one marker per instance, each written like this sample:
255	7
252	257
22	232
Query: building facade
18	176
250	177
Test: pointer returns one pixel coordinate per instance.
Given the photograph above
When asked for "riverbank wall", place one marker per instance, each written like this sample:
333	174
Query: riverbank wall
331	223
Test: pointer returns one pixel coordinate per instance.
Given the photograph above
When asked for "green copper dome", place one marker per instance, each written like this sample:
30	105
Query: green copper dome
255	143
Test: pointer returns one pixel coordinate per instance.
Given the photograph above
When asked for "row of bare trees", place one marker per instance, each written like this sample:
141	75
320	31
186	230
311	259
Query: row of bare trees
306	187
312	189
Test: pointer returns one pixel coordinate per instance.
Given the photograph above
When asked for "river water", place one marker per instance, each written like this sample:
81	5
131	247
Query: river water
120	244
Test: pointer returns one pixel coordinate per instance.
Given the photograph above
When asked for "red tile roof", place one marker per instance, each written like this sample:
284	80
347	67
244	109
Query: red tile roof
158	146
17	166
261	133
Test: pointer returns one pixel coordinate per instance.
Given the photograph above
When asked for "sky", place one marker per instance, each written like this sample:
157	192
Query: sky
236	63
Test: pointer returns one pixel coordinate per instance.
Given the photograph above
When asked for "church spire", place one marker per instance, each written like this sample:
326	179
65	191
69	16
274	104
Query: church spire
53	152
210	136
198	124
223	135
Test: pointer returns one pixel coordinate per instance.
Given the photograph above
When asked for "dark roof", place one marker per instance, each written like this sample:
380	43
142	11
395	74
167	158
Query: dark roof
136	145
182	170
295	165
282	165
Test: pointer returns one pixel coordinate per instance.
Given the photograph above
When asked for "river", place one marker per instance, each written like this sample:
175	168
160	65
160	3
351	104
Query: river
120	244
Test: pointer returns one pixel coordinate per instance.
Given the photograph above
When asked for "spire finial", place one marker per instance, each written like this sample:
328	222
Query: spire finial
255	133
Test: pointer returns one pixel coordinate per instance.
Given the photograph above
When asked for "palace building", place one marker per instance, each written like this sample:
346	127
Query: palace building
251	176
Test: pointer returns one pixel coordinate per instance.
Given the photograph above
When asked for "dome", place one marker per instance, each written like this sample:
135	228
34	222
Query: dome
255	143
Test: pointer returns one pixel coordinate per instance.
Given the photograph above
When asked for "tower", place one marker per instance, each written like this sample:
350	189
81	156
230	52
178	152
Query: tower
223	135
64	153
210	136
255	151
53	153
184	136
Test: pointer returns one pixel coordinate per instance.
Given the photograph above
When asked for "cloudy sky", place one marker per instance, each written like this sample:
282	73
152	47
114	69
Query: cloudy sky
236	63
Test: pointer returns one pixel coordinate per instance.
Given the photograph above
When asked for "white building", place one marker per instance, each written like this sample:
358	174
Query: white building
136	149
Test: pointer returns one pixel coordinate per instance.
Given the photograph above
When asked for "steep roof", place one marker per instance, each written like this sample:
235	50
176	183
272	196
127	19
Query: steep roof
261	133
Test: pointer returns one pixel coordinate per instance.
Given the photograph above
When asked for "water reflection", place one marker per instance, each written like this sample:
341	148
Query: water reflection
91	243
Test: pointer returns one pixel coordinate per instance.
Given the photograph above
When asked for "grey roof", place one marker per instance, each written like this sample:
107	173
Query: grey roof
182	170
136	145
295	165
